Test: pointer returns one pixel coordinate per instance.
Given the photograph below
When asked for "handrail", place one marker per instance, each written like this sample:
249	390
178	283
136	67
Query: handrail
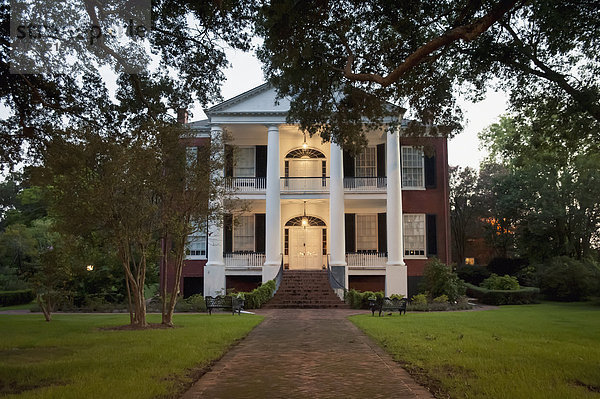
279	276
335	285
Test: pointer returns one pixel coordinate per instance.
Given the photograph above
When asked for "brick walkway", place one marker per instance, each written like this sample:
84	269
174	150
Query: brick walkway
306	353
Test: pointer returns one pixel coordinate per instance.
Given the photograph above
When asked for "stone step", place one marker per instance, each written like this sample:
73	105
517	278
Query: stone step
305	289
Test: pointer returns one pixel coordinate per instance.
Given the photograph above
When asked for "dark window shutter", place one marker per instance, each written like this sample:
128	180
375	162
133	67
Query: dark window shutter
381	232
228	161
261	161
228	233
350	223
431	236
430	172
348	164
381	160
259	233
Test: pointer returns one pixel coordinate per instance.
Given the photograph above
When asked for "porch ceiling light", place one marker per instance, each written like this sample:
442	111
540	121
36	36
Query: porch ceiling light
304	218
304	144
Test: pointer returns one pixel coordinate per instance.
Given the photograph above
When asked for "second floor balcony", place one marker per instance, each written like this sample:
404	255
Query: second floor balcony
258	185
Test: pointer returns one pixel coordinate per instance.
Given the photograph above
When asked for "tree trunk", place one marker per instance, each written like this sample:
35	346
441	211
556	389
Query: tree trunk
46	307
167	317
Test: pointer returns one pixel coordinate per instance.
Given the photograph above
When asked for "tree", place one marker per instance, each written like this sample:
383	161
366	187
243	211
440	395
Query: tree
342	60
464	207
133	194
187	39
548	185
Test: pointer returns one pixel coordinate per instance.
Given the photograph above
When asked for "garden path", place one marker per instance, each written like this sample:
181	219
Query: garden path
306	353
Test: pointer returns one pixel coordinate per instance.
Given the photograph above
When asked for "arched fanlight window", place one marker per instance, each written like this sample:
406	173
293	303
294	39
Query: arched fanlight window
305	153
310	220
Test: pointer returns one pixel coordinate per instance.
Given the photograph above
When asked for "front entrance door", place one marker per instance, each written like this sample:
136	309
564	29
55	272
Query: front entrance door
306	248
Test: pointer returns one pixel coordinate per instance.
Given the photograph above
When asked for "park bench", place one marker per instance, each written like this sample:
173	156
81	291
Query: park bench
386	304
224	302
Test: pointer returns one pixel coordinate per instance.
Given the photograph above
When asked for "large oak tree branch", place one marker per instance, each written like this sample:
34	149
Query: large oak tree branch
467	33
588	103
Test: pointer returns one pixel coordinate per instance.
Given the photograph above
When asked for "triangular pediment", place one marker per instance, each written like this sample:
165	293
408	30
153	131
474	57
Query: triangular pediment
259	101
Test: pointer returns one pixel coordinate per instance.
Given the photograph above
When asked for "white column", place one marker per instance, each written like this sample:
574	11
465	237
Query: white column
337	242
396	271
337	245
273	207
214	271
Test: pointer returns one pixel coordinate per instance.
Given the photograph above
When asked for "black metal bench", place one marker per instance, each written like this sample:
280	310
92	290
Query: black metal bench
388	304
224	302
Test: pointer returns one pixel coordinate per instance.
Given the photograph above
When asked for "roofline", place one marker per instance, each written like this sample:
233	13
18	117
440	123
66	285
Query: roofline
238	98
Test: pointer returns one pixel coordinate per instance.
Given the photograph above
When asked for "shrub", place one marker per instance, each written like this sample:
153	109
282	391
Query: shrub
419	299
438	279
11	298
521	296
495	282
441	299
360	300
473	274
194	303
502	266
566	279
259	296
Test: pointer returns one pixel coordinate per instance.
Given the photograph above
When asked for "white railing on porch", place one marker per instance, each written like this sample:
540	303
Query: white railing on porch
365	184
244	260
368	259
305	184
246	184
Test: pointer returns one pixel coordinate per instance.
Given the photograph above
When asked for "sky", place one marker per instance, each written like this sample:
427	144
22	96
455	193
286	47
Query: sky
463	150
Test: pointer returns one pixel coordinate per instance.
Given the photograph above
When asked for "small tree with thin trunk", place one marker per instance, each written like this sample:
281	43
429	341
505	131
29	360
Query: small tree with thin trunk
136	193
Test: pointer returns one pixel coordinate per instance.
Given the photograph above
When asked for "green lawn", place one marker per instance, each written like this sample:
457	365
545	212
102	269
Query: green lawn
71	357
529	351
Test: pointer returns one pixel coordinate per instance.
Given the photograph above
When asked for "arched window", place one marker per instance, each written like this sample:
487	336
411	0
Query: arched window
305	153
312	221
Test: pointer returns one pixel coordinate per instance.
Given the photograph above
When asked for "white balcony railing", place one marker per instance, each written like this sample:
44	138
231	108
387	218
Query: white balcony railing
365	184
246	184
370	259
305	184
244	260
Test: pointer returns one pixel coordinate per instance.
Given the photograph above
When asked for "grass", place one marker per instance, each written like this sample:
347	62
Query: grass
71	357
544	351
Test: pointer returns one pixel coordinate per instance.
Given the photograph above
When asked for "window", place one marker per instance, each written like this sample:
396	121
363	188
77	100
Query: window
412	167
244	163
414	235
243	234
191	155
366	163
366	232
196	245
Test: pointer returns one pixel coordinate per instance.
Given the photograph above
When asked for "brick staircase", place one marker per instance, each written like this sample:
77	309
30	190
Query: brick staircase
307	289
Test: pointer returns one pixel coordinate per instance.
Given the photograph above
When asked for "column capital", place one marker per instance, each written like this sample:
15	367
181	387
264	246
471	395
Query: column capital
271	127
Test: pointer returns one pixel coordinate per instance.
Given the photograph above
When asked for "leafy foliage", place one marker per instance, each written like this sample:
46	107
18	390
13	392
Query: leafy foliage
342	60
566	279
259	296
10	298
506	282
360	299
473	274
523	295
438	279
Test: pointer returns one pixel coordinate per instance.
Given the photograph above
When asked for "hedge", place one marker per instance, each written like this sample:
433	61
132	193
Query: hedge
503	297
259	296
11	298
